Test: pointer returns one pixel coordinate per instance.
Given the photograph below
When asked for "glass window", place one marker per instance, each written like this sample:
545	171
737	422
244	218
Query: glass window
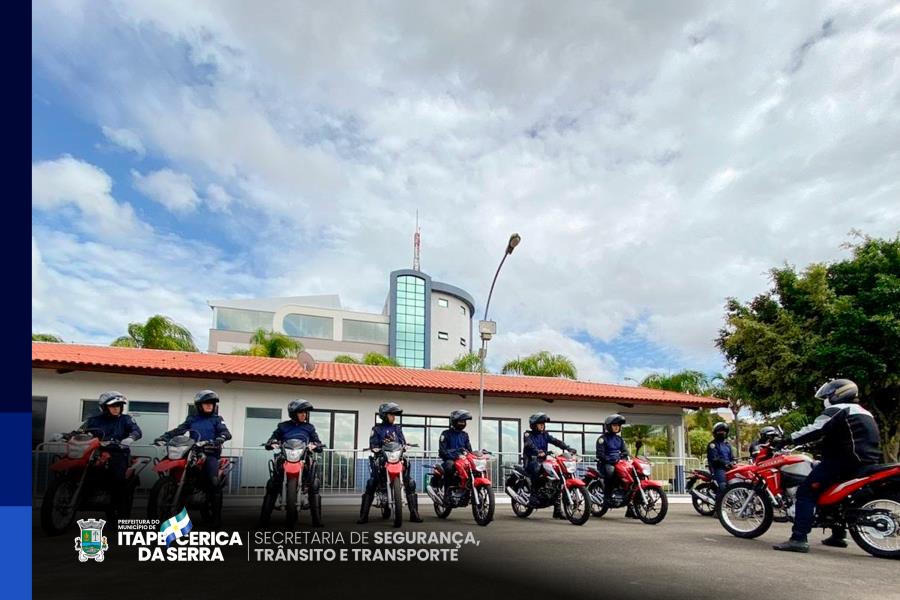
38	420
89	408
409	322
309	326
148	407
365	331
442	302
501	435
264	413
442	335
236	319
581	436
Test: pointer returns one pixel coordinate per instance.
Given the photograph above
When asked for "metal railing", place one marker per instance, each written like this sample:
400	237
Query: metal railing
342	471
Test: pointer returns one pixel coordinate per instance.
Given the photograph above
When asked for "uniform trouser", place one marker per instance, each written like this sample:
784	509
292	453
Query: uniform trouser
718	474
823	475
449	467
118	466
377	471
210	471
533	469
608	470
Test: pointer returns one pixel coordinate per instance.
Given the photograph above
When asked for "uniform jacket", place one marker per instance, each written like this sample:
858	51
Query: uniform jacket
292	430
847	432
208	427
452	443
113	428
536	442
611	448
719	454
383	433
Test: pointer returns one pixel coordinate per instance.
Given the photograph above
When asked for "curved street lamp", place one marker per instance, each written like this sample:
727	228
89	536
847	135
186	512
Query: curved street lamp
487	329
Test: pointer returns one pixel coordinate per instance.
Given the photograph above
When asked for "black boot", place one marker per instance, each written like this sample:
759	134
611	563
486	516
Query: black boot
795	544
838	538
364	509
413	502
557	512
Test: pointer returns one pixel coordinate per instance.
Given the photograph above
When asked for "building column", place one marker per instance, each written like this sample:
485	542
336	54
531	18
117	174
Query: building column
679	455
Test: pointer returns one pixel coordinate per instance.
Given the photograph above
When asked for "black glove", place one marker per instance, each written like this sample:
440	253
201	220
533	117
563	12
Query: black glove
219	441
159	442
269	445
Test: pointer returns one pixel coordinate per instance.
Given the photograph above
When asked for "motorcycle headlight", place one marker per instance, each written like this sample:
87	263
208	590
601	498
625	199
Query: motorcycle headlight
394	456
480	464
293	454
76	451
571	466
646	468
177	452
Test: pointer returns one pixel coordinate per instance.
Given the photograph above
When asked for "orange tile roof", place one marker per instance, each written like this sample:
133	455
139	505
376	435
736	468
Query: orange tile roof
281	370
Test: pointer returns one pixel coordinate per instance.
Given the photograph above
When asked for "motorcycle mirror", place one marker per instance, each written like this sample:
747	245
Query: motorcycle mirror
56	437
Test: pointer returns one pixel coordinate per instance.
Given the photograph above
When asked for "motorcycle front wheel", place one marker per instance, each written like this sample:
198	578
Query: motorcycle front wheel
756	518
483	510
655	508
55	519
397	492
578	511
882	537
291	502
161	502
705	506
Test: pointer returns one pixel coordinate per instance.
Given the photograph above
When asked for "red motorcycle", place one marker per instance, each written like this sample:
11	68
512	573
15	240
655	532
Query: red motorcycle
82	481
558	485
293	457
391	461
868	504
180	483
633	489
473	486
703	488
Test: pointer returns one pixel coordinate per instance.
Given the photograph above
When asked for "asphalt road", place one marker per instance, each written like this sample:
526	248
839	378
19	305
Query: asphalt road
686	556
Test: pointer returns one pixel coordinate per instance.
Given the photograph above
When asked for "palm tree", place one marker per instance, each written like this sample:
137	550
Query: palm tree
686	382
369	358
46	337
542	364
273	345
468	363
160	333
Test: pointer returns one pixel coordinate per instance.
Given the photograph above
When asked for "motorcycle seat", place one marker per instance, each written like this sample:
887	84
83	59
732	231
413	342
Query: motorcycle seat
872	469
519	469
703	472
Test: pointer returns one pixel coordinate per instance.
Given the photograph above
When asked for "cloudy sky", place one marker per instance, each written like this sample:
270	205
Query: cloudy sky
655	157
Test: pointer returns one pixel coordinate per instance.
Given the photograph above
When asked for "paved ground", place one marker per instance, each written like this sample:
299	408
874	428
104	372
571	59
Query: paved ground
686	556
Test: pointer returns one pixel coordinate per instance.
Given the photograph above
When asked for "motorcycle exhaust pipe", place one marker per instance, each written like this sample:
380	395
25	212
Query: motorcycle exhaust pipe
701	496
435	497
515	495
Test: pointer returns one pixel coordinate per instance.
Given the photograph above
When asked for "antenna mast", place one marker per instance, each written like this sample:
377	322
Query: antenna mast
417	245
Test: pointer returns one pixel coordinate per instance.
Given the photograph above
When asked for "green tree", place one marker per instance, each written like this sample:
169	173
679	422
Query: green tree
272	344
46	337
469	363
830	320
369	358
160	333
542	364
686	382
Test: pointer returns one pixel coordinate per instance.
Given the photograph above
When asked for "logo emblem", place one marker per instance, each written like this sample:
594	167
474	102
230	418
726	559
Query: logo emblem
91	544
176	527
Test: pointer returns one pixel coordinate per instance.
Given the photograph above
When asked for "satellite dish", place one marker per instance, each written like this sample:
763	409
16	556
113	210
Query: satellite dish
307	362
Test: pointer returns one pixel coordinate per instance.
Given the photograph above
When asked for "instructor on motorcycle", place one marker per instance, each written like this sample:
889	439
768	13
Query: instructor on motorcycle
384	432
849	440
121	429
297	427
453	443
761	449
210	428
535	447
610	450
719	456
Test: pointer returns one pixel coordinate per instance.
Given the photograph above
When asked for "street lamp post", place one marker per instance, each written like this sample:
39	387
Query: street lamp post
486	329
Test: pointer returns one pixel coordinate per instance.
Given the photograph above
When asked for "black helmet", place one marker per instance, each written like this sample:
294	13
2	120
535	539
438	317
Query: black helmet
204	396
536	418
389	408
768	433
298	406
614	419
838	391
458	418
108	399
720	426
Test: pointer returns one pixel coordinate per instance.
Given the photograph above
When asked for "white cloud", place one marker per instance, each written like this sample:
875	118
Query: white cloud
175	191
125	138
718	142
57	186
590	364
